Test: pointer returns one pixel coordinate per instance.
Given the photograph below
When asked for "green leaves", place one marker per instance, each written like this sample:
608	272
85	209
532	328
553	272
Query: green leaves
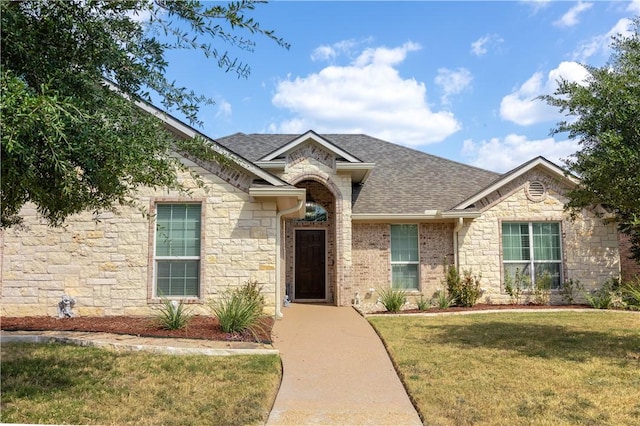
69	142
606	125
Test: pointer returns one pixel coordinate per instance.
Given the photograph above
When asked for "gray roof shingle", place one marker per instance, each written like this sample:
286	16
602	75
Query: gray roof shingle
404	180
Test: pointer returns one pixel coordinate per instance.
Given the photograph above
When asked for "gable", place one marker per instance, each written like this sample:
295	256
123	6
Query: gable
536	176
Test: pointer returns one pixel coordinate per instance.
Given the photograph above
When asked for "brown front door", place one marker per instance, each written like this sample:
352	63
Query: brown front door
310	273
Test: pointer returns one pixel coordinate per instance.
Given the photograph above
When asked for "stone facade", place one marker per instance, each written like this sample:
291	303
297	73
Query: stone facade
589	246
106	262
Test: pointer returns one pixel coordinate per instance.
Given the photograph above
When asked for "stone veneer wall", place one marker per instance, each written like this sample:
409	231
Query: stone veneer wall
372	260
105	265
590	247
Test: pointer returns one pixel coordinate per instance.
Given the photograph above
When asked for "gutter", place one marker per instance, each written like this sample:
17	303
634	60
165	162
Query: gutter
456	229
278	313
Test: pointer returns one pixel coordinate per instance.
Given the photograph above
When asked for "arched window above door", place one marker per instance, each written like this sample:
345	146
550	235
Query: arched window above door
314	213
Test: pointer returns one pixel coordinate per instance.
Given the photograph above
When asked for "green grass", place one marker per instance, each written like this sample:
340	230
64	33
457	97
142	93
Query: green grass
57	383
519	369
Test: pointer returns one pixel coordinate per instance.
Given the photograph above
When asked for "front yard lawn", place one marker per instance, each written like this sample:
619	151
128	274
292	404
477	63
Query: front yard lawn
519	368
65	384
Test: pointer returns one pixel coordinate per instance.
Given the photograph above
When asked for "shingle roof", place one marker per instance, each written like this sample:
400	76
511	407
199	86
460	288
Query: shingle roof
404	180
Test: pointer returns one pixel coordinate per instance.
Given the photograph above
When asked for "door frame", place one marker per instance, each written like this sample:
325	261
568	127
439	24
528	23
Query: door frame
326	269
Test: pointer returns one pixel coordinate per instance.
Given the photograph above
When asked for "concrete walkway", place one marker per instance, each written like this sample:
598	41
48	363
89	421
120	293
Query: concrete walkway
336	371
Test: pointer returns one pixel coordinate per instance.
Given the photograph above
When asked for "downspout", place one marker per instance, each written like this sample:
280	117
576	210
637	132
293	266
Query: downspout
456	229
278	225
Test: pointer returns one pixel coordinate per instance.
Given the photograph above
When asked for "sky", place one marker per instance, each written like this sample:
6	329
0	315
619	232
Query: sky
455	79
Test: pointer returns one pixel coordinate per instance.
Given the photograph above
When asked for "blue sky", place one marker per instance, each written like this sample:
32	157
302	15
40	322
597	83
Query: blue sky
454	79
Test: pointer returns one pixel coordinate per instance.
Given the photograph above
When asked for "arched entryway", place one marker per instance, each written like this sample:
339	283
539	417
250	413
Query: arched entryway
311	247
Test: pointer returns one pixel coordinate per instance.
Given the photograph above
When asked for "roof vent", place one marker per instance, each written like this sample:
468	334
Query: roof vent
536	191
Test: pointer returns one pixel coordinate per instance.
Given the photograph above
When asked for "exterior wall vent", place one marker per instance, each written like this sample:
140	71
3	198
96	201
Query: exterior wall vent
536	191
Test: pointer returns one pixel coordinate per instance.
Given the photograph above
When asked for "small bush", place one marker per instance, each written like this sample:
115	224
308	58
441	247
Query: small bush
514	286
569	290
441	300
542	289
607	296
392	300
423	304
463	291
173	315
241	310
631	294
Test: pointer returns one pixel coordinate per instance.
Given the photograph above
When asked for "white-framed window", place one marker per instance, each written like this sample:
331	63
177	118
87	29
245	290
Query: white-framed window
532	248
405	259
177	250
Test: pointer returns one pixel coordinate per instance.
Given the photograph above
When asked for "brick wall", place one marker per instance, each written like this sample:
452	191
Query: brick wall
372	259
630	267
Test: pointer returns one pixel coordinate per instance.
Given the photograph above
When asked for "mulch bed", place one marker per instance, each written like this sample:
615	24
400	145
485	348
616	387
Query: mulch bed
484	307
200	327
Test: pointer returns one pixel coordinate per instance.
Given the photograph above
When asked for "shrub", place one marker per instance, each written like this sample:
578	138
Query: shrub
441	300
569	290
607	296
173	315
469	290
423	304
631	294
392	300
542	289
515	285
241	310
463	291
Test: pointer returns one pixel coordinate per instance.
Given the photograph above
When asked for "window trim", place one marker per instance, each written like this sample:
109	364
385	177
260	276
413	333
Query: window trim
409	262
532	261
152	296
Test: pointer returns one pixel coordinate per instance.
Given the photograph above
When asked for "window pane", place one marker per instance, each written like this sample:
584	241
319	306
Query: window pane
404	243
546	241
553	269
515	241
178	230
524	274
177	278
404	276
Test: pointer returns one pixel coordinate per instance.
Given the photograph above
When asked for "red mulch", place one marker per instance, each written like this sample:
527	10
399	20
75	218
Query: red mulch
200	327
485	307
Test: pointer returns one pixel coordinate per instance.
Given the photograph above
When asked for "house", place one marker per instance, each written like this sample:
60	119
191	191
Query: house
329	218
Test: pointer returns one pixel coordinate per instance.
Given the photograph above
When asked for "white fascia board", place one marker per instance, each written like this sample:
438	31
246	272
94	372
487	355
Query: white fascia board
461	214
298	193
512	176
360	172
396	217
271	165
347	167
316	138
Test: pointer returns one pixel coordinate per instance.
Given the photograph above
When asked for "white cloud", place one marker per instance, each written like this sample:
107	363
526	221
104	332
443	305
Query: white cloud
600	44
224	110
501	155
537	5
453	82
331	52
366	96
481	46
571	18
522	106
634	7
